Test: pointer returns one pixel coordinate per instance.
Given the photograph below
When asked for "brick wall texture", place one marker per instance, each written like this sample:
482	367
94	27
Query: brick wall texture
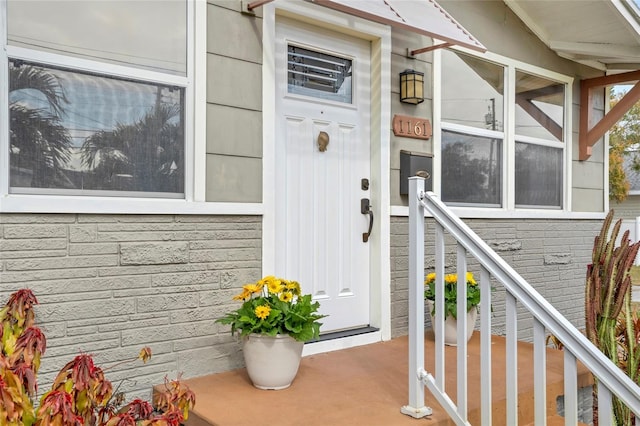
552	255
110	284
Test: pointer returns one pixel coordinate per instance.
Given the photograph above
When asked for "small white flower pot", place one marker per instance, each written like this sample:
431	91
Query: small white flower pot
451	325
272	361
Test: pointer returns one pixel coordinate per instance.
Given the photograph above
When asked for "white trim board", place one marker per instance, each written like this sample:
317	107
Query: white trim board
342	343
477	213
112	205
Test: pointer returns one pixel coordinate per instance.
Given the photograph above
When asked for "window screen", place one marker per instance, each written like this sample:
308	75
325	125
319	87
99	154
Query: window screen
74	131
471	169
538	176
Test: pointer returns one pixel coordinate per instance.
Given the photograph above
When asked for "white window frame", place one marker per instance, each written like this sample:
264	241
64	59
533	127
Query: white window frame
508	208
194	83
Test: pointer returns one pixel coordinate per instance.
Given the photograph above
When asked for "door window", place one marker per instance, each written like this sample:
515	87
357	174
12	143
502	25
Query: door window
319	75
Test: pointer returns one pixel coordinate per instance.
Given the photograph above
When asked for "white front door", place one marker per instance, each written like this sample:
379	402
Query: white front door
322	156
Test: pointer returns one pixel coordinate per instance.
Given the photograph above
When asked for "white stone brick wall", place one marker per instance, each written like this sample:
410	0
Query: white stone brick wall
110	284
552	255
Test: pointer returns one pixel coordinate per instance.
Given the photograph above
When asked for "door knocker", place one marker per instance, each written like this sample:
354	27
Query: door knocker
323	141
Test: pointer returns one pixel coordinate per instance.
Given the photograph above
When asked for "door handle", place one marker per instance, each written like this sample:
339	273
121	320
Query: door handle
365	208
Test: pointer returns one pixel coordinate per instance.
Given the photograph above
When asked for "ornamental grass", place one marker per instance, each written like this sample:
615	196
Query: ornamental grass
611	325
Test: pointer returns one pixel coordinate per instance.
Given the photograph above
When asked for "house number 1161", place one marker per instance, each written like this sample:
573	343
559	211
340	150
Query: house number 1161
411	127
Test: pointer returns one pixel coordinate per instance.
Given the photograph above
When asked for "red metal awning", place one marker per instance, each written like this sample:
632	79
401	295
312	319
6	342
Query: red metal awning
424	17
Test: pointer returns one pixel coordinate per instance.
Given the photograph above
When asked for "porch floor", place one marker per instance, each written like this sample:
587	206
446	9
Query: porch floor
368	385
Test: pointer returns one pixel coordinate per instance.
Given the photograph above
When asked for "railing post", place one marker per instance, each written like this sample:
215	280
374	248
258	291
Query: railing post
485	346
539	372
461	309
571	389
416	407
512	359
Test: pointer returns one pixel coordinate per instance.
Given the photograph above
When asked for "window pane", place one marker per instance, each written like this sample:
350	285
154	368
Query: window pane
471	171
539	107
319	75
75	131
538	176
472	91
145	34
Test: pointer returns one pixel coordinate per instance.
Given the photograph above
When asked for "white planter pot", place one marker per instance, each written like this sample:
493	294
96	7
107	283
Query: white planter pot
451	325
272	361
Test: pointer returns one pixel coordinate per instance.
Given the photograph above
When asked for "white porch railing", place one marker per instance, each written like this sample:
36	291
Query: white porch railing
611	380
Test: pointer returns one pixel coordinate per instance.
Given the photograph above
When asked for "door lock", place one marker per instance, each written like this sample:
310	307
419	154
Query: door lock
365	208
364	184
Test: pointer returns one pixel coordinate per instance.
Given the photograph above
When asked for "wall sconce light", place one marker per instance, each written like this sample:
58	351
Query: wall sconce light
411	87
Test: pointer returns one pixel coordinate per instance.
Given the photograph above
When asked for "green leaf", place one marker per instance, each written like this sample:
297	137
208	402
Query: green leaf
247	319
305	333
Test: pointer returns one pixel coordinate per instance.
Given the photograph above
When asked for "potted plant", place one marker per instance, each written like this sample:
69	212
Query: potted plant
274	321
450	303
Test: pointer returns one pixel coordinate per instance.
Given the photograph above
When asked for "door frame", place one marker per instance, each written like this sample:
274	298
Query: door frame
380	268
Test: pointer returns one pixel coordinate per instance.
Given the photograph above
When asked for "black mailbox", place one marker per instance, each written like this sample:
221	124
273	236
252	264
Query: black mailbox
412	163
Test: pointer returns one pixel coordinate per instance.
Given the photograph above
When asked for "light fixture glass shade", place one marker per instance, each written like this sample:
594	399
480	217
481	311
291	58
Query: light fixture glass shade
411	87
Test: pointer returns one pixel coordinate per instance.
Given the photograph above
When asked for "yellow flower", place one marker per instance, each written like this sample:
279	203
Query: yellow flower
252	288
262	311
293	286
286	296
242	296
430	278
265	280
451	278
470	279
274	285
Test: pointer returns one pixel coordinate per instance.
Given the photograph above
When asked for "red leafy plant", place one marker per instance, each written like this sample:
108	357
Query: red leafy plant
80	395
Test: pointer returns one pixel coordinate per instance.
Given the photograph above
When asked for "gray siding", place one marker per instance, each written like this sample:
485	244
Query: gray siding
587	192
400	41
552	255
628	209
234	104
110	284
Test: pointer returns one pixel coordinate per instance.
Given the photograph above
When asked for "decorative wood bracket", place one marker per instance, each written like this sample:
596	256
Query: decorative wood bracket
412	53
589	135
254	4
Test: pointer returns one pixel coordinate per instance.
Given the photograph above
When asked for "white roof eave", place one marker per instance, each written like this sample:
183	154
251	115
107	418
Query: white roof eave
610	52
